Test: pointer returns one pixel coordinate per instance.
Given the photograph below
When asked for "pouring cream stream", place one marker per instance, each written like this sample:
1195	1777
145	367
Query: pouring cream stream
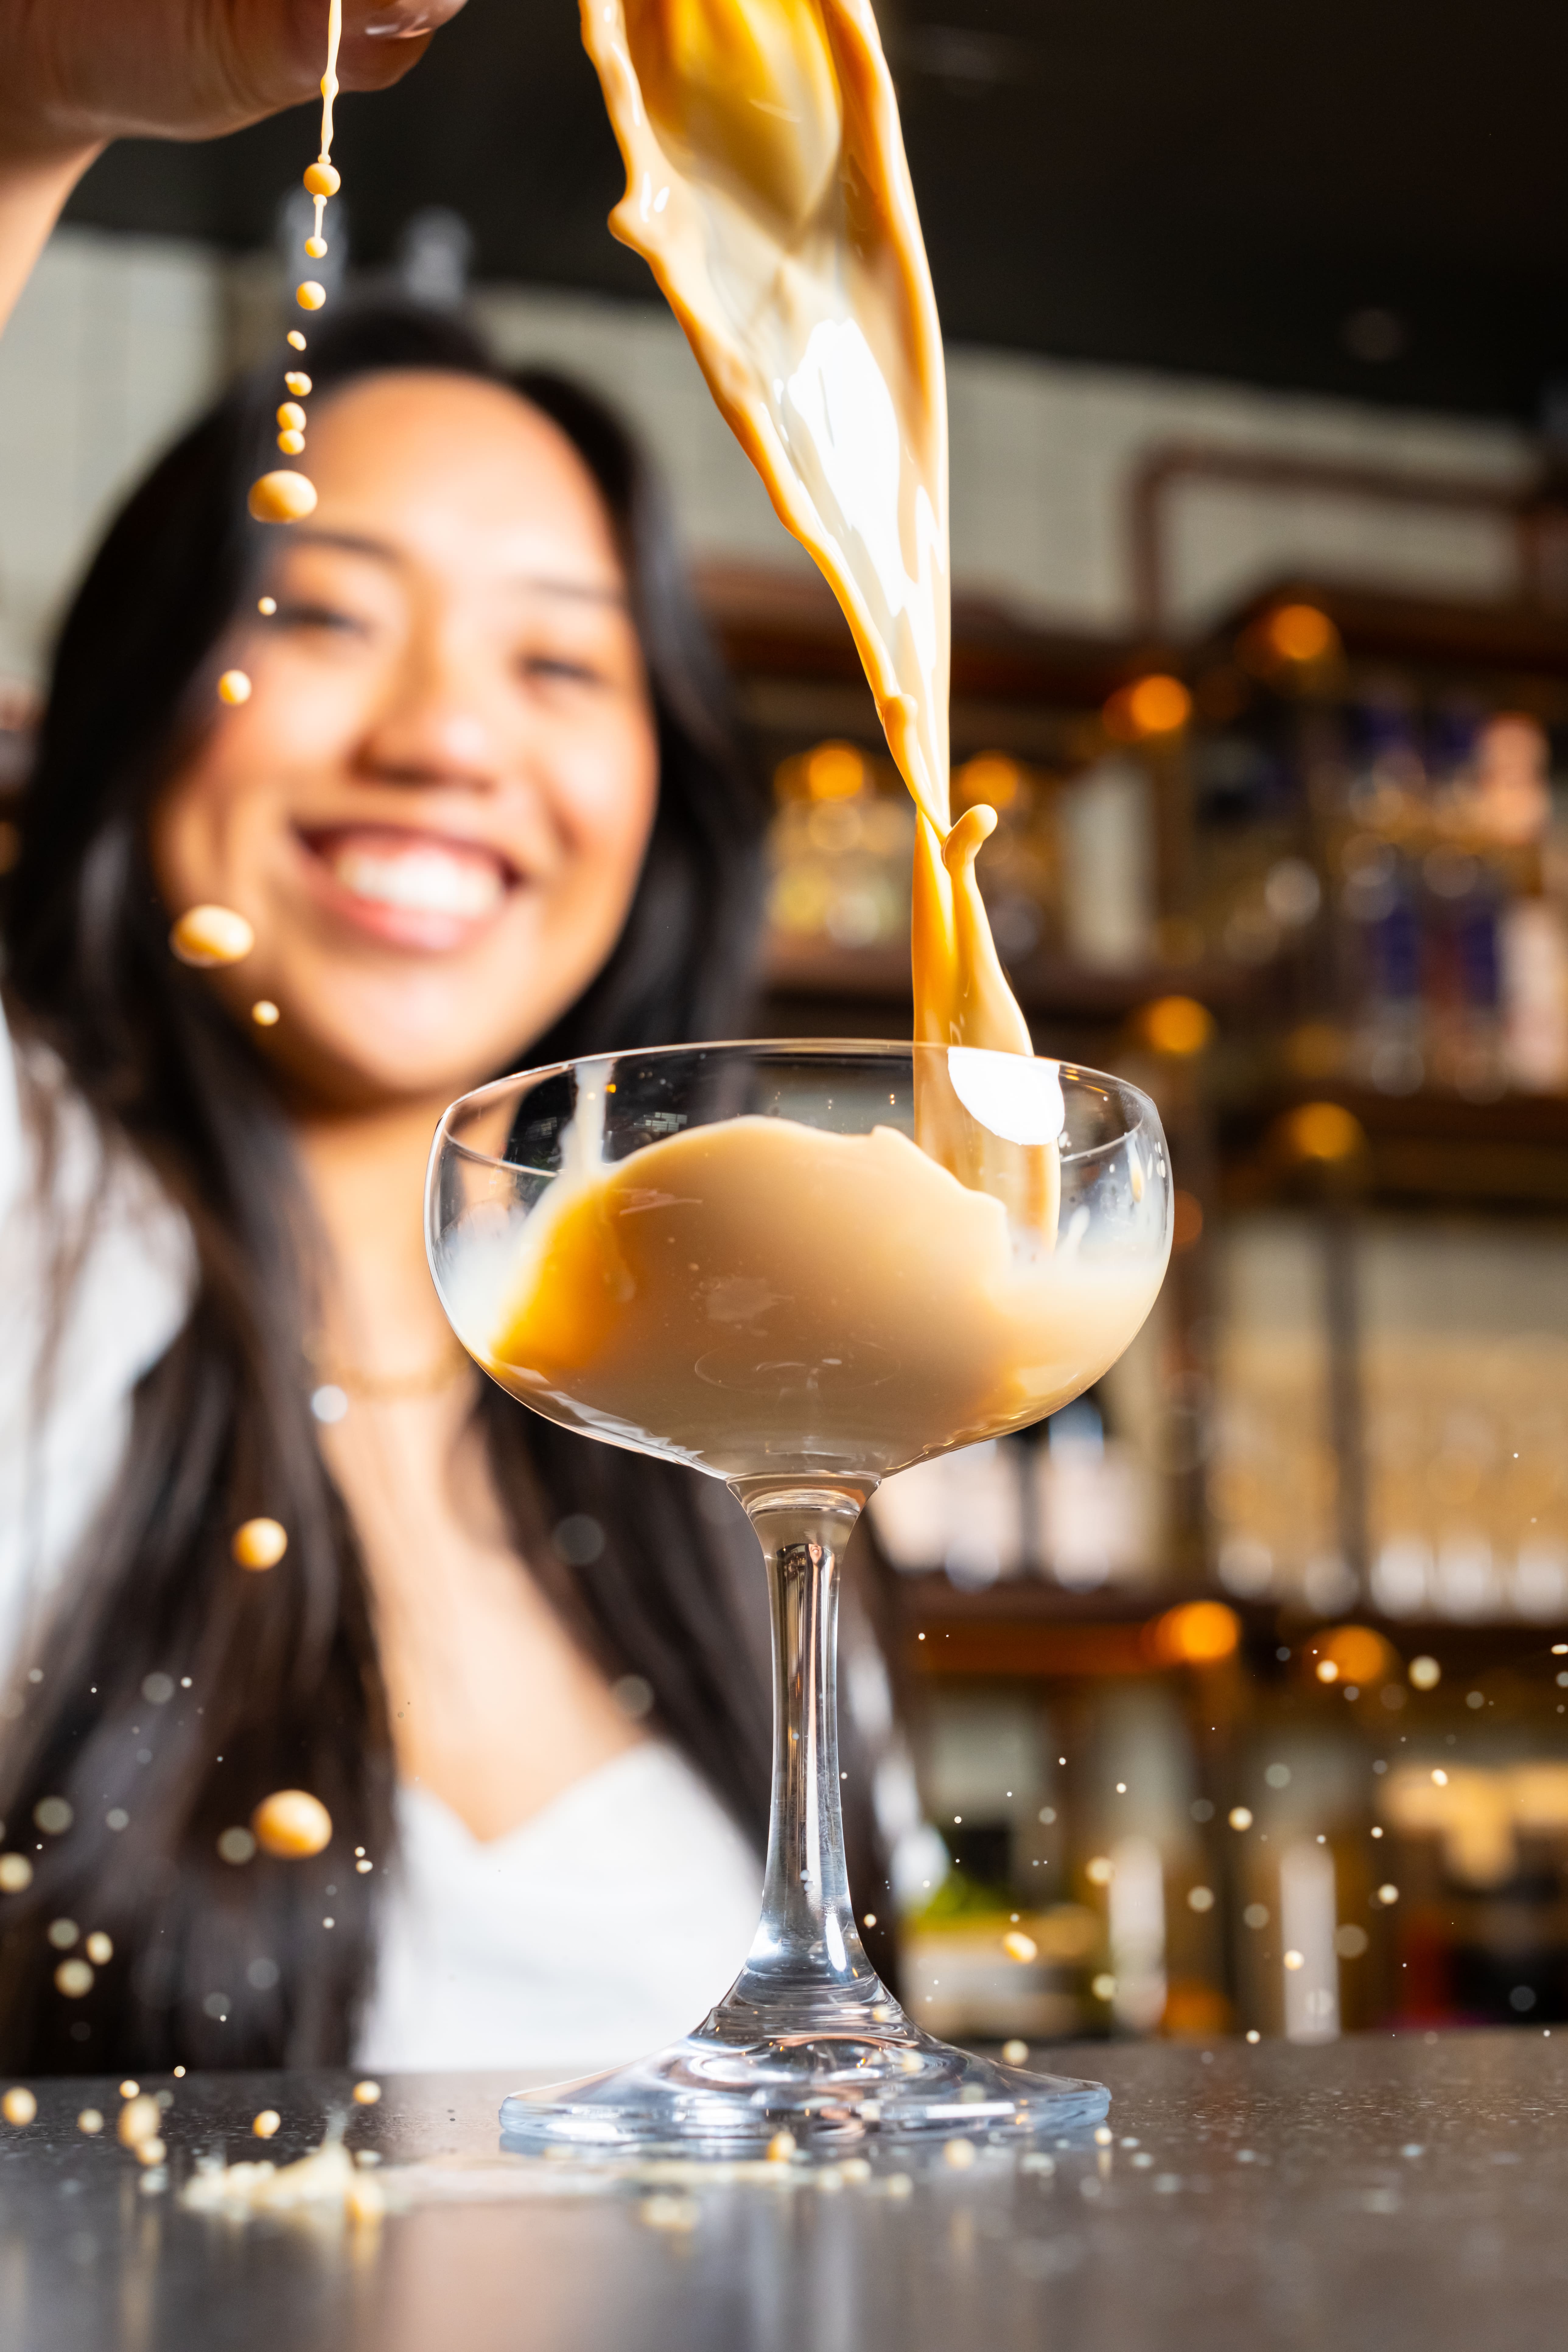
759	1292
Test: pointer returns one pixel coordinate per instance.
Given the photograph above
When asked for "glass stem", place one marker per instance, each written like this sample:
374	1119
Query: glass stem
807	1970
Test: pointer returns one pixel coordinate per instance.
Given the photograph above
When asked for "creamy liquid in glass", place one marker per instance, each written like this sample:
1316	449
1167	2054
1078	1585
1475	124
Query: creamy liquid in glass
760	1292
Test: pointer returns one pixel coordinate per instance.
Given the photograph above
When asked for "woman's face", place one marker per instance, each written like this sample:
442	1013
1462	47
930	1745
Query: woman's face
433	806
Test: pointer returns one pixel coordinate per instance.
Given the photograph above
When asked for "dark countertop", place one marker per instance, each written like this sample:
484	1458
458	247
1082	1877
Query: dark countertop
1379	2193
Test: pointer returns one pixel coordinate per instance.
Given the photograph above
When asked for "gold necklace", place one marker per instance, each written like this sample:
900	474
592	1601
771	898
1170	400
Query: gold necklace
390	1388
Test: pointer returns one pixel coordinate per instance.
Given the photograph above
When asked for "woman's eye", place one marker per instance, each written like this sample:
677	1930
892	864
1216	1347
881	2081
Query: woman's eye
558	668
311	613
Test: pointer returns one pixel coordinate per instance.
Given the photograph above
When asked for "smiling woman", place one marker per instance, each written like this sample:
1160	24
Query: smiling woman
447	762
481	805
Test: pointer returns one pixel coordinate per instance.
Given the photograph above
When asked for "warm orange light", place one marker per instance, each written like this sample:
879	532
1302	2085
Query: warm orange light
1300	633
1156	705
1186	1219
1354	1653
835	771
1177	1025
1198	1633
1323	1132
989	777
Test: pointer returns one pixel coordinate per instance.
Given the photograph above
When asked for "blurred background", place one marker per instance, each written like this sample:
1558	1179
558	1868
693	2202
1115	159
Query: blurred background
1235	1693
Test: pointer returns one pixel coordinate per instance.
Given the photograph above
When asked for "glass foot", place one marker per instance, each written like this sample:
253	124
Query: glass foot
837	2092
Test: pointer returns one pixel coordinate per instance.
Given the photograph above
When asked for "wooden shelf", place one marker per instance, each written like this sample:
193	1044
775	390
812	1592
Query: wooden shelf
1423	1148
1043	984
1502	638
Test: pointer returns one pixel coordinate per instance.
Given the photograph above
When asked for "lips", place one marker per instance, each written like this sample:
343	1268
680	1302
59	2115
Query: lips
414	888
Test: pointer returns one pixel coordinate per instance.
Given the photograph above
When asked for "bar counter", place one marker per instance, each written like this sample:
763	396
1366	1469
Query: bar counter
1378	2192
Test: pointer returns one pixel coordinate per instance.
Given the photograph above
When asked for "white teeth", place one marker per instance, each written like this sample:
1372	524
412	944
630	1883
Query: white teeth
425	880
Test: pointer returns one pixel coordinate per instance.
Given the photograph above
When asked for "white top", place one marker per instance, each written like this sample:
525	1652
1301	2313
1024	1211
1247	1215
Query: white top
605	1925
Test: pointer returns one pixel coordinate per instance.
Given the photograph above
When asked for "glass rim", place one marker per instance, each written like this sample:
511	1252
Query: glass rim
1079	1072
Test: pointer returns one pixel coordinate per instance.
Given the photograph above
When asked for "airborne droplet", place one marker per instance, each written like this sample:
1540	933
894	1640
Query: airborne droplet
259	1543
322	179
283	497
291	1825
264	1013
311	295
234	687
140	2120
206	936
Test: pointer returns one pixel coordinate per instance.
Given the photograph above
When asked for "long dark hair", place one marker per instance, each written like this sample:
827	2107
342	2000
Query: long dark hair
215	1964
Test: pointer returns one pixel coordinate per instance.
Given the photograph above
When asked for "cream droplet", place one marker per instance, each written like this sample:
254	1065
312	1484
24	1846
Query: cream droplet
291	1825
291	444
366	2094
295	339
99	1949
283	497
19	2106
297	383
292	416
267	606
234	687
316	247
15	1872
140	2120
266	2123
322	179
264	1013
311	295
73	1978
259	1543
89	2121
209	936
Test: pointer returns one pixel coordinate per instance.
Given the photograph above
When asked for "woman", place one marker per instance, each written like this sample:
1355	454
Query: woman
480	807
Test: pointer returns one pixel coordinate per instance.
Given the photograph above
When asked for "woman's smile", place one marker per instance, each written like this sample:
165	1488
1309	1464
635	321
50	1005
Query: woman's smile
413	888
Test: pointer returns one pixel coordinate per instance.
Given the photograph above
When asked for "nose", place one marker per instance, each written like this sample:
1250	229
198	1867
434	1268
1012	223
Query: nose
432	727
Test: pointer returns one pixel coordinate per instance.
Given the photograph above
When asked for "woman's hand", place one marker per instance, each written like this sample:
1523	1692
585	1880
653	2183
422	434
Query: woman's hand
80	72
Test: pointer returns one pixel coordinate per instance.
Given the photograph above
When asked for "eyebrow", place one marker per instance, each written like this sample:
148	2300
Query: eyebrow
381	551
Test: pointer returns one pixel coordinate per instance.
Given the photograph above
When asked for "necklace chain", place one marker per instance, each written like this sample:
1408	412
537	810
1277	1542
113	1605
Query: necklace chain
390	1388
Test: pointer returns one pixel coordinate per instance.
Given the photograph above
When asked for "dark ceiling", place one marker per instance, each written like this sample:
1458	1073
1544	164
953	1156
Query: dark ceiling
1362	196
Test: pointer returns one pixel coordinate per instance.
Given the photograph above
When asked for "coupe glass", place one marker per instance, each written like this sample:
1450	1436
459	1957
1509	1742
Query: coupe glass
799	1268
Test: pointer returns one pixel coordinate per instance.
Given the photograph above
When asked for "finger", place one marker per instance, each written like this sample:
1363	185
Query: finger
382	39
